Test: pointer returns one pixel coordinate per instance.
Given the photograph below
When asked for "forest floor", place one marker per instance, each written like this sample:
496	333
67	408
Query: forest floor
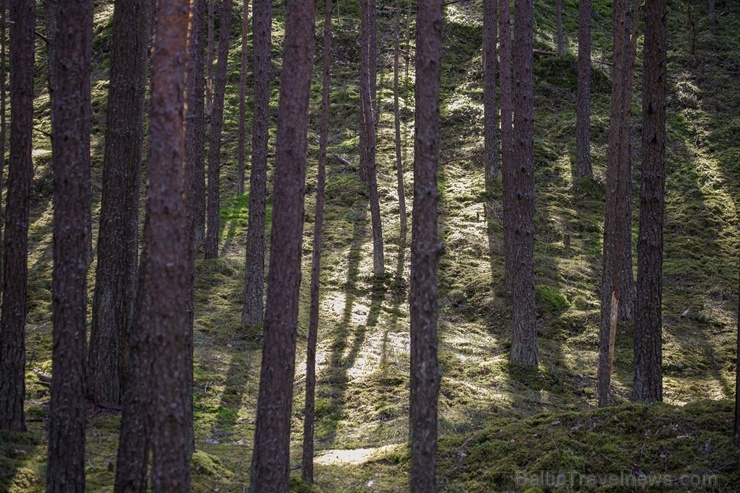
501	427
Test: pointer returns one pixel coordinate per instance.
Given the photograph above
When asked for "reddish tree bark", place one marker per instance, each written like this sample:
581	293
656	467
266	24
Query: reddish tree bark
507	131
425	250
20	173
195	142
271	454
313	321
217	125
167	237
648	370
116	271
71	108
254	277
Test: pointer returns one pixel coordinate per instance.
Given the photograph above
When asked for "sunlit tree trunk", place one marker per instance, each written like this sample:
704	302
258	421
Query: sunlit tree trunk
167	237
507	130
271	453
648	371
313	322
397	126
20	173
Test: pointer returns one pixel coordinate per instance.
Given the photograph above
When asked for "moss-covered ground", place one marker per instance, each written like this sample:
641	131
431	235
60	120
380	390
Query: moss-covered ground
502	428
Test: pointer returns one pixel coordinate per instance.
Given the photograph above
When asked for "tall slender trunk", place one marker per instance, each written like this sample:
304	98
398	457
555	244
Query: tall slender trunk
271	453
397	127
167	236
210	55
425	250
242	102
560	35
116	271
313	321
507	132
648	372
217	125
524	342
617	188
490	111
583	108
3	121
20	173
254	277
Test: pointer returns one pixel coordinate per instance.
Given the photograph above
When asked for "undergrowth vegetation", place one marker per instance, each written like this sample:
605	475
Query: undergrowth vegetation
502	428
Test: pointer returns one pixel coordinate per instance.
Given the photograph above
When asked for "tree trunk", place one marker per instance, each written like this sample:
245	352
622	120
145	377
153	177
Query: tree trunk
397	127
3	121
368	108
617	188
20	173
71	66
425	250
524	343
116	271
736	435
254	277
313	321
271	453
490	64
583	109
210	55
648	376
242	102
167	236
217	125
560	35
507	132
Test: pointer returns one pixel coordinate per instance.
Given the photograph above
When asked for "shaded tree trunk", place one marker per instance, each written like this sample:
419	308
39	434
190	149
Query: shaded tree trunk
617	188
397	127
217	125
71	66
583	109
368	108
560	35
507	131
210	55
116	271
271	453
524	342
242	102
425	250
490	67
648	371
166	283
254	277
3	122
20	173
313	321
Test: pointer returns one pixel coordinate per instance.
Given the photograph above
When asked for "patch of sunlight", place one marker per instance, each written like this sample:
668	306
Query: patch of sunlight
339	457
37	153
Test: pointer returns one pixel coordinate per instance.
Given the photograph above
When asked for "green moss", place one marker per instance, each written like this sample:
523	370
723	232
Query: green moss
551	297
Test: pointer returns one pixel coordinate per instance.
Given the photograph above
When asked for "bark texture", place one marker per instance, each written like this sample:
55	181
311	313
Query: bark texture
195	141
648	371
397	127
507	131
20	173
166	282
313	321
116	271
524	342
425	250
368	109
3	118
217	125
583	97
71	161
243	71
560	41
617	208
254	277
271	453
490	67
